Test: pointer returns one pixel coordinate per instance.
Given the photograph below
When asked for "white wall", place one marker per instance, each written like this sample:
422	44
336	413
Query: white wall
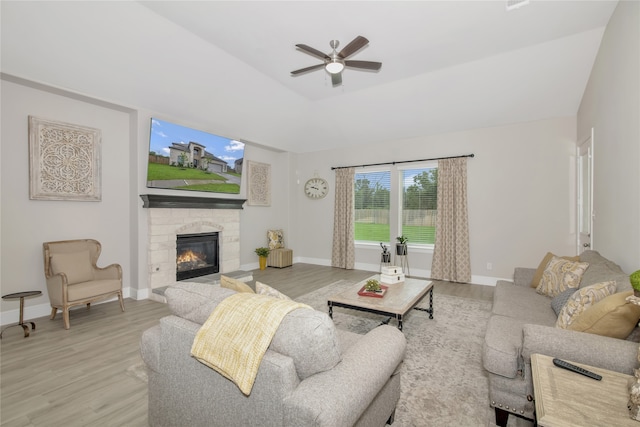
256	220
520	185
119	222
26	223
611	105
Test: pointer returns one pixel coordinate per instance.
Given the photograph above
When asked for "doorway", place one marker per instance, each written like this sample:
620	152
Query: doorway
585	194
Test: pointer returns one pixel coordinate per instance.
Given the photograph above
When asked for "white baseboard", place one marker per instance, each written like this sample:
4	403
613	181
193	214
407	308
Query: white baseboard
44	310
415	272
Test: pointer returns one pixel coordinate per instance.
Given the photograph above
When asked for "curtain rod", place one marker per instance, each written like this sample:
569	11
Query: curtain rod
403	161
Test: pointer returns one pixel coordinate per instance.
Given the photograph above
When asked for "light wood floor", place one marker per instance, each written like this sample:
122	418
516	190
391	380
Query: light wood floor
82	376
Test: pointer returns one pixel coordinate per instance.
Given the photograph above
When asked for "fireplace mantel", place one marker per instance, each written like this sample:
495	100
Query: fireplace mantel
188	202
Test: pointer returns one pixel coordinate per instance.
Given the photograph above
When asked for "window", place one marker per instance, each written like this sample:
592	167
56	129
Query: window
396	201
419	204
372	202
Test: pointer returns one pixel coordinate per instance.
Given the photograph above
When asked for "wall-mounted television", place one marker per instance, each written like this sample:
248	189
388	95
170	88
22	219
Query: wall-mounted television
183	158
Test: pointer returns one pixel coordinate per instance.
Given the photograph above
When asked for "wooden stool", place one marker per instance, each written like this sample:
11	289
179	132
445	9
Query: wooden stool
22	296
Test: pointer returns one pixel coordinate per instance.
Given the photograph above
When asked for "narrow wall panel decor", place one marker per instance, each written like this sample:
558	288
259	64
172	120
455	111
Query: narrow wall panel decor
259	178
64	161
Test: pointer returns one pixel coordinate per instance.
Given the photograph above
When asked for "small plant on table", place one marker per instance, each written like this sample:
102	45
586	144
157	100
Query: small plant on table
372	285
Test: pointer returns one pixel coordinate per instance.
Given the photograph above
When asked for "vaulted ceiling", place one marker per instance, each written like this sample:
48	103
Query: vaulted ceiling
224	66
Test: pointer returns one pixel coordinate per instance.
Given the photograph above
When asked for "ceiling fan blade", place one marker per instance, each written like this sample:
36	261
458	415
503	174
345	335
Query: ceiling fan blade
307	69
336	79
365	65
355	45
312	51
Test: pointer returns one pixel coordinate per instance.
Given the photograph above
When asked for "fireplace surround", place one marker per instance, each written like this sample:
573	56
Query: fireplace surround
166	219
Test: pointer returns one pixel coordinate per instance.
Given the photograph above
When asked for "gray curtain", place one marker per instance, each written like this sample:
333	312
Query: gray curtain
451	253
343	253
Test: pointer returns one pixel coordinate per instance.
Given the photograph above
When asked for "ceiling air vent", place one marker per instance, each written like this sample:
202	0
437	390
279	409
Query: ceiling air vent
515	4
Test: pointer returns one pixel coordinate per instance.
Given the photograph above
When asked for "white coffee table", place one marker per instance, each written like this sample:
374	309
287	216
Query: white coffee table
399	299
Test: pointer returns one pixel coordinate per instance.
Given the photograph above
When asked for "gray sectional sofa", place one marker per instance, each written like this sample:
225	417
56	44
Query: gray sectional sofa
311	375
523	323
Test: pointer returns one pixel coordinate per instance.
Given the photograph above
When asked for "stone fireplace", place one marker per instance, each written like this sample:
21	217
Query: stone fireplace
171	216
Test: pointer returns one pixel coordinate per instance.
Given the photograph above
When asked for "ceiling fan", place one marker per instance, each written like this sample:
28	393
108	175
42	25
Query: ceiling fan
335	61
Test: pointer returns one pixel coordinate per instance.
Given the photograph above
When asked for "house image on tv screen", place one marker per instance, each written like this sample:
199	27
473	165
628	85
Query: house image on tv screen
195	155
184	158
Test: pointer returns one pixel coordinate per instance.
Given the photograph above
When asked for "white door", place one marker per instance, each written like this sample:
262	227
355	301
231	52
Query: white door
585	194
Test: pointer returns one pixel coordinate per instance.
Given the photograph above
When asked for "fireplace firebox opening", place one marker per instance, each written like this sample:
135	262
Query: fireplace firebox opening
196	255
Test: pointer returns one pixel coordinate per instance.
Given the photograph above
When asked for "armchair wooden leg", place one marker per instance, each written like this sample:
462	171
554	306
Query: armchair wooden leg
65	318
121	300
54	311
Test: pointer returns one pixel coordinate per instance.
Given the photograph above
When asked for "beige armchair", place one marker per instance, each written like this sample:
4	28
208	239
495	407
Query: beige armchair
73	278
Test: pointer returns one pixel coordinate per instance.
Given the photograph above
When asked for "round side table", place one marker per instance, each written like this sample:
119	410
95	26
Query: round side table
22	296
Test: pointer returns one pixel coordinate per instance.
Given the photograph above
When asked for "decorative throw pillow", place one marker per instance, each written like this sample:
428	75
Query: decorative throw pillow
75	265
581	300
560	300
276	239
559	275
263	289
612	317
543	264
235	284
310	338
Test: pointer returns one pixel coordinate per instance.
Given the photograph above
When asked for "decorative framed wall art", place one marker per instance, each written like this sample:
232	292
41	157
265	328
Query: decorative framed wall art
259	178
64	161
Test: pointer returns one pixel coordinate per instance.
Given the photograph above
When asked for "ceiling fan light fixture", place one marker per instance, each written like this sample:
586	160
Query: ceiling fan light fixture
335	66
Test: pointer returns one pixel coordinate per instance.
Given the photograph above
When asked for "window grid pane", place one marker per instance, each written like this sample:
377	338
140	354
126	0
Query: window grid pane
372	190
419	204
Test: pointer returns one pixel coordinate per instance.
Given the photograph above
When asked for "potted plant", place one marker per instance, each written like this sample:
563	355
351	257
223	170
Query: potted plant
372	285
634	278
386	256
401	246
262	253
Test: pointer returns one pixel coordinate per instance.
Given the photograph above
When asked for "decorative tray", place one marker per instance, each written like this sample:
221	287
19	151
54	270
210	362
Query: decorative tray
379	294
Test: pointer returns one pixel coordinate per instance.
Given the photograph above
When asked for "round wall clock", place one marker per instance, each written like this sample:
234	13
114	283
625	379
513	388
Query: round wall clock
316	188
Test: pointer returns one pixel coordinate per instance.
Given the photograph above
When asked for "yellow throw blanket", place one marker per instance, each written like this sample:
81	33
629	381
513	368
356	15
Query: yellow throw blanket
238	332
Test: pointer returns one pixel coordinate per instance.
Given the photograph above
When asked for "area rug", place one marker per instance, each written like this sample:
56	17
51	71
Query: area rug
443	382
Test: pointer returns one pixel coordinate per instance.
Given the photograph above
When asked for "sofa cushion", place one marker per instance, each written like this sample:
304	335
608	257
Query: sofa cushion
543	265
309	337
581	300
561	299
263	289
560	274
75	265
522	302
601	270
611	317
502	346
235	284
195	301
80	291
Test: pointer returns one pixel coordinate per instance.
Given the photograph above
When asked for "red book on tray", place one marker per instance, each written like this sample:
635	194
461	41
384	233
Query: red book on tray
380	294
